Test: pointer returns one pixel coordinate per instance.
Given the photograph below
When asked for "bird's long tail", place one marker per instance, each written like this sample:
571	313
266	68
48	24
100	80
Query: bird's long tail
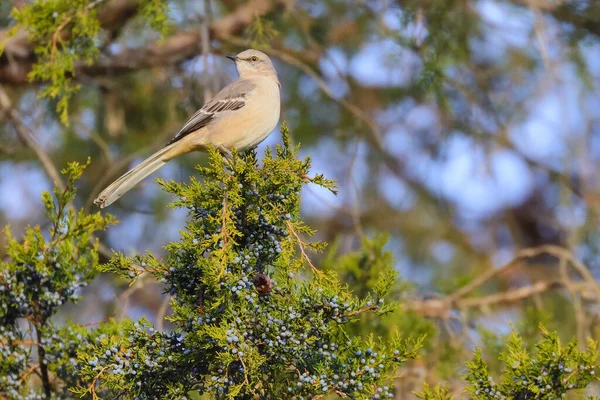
131	178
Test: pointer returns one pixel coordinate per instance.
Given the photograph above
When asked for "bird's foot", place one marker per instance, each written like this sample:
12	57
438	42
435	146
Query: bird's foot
227	159
225	151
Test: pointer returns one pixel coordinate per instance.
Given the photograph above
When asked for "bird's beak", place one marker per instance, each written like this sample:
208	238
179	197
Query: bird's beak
232	58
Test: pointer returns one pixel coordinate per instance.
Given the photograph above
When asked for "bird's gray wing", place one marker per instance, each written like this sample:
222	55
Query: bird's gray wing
230	98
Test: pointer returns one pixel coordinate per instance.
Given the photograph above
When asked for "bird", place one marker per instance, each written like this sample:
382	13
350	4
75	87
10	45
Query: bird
240	116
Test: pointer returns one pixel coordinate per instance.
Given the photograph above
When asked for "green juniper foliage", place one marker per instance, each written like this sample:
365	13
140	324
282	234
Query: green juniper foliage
42	272
253	317
437	393
362	270
549	373
66	33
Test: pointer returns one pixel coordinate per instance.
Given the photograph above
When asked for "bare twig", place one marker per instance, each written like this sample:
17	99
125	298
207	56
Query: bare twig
94	323
245	373
577	306
45	374
162	311
205	52
362	310
26	137
442	308
301	245
482	279
588	289
123	298
31	369
178	47
92	387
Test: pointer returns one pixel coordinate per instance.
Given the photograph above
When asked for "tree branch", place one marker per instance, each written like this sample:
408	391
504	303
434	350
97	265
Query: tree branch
588	289
42	362
18	57
582	15
182	45
27	139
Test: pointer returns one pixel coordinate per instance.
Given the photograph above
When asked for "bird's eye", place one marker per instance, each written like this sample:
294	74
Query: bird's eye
254	58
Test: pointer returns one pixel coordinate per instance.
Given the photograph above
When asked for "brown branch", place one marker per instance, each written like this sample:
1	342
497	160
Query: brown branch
94	323
162	311
586	18
362	310
26	137
18	56
29	371
510	296
301	245
43	364
480	280
26	342
92	388
441	308
245	373
182	45
588	289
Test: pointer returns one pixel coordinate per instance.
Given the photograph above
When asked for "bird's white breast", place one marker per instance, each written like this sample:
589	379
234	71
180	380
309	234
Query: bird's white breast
247	127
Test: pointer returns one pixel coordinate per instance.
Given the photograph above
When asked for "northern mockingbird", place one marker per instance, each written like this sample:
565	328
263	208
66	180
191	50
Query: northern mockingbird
240	116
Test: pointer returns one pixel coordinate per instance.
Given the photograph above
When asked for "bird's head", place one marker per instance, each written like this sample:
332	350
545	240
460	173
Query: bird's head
253	62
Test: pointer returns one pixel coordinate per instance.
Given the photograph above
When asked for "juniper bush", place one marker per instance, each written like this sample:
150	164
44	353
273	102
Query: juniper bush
41	273
253	317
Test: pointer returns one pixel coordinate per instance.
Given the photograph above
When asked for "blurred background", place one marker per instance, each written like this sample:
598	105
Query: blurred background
466	130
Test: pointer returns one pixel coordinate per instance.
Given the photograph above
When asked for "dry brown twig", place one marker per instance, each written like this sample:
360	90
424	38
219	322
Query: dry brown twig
588	288
123	298
577	306
245	373
101	321
92	387
162	312
301	245
362	310
27	139
34	367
